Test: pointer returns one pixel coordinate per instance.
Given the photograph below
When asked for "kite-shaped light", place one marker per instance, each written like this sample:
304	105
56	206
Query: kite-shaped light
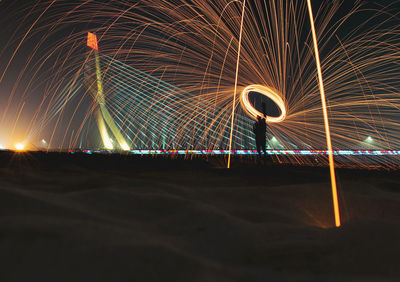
92	41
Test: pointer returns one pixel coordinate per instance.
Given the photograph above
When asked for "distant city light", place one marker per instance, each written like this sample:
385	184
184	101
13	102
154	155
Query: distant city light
19	146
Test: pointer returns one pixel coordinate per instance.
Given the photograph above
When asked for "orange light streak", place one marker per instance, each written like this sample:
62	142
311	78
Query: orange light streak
199	54
23	39
236	80
326	121
15	52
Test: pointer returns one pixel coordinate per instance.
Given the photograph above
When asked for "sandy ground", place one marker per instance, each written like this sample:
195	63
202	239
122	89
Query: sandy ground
113	218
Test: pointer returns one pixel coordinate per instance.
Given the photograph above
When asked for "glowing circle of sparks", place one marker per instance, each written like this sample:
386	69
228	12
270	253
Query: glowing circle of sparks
268	92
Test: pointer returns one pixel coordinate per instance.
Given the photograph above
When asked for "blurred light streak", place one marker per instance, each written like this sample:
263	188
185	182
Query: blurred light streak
326	121
236	81
168	71
254	152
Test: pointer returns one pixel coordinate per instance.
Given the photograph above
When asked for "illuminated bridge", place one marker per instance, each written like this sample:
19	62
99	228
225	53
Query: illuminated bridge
142	113
145	112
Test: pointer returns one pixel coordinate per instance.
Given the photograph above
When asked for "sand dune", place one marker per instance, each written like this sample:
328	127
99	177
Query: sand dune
108	218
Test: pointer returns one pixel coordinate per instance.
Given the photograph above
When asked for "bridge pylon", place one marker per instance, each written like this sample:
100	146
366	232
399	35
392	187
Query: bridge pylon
102	115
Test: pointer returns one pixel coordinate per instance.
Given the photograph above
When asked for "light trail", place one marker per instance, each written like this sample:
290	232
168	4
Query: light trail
252	152
236	82
268	92
168	69
15	52
326	121
147	94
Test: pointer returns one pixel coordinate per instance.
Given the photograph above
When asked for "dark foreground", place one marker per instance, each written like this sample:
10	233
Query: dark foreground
114	218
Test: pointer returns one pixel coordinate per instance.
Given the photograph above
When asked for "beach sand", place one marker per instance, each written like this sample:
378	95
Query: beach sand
117	218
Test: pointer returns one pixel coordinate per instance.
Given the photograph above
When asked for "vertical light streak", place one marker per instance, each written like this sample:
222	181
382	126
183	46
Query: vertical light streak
326	122
197	47
236	80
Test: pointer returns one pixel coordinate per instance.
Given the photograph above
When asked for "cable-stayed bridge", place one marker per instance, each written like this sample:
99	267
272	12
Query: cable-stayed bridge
145	112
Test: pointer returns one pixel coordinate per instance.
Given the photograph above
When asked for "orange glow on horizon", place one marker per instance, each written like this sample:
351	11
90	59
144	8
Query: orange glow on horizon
236	82
19	147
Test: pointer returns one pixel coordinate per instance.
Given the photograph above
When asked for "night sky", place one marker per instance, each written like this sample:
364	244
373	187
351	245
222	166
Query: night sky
16	17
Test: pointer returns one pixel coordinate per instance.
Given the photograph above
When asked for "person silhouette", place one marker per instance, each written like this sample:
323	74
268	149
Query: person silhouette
260	129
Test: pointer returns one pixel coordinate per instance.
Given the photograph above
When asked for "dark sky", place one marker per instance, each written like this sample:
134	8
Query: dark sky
15	19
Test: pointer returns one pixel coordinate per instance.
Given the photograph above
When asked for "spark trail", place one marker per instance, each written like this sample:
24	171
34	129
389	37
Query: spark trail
326	121
236	82
169	70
